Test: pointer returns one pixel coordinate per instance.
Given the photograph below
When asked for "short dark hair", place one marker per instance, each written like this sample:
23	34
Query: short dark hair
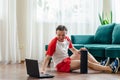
61	28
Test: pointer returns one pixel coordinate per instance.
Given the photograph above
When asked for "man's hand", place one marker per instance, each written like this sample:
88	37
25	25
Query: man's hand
83	49
42	71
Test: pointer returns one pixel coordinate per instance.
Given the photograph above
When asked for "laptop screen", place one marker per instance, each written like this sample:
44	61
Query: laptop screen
32	67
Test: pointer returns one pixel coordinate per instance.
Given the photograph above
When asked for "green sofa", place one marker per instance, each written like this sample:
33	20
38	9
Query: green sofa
105	42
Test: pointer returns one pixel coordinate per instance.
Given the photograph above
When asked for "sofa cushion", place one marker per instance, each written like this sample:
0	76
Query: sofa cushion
96	51
82	39
99	50
78	46
112	52
97	45
102	45
115	34
104	34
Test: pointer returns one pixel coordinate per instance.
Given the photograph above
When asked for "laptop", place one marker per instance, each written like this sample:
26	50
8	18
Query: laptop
32	68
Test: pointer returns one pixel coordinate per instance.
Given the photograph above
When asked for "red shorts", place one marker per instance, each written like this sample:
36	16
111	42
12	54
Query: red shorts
64	66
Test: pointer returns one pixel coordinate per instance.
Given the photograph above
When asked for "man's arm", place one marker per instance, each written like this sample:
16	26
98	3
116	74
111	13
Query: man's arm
45	64
75	51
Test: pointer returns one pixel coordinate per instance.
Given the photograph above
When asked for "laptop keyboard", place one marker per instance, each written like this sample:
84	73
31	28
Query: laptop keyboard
44	75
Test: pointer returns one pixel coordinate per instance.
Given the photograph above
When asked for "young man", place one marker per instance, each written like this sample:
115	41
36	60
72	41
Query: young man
58	50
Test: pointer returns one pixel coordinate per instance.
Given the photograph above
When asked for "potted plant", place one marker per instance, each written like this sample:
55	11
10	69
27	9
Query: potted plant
106	20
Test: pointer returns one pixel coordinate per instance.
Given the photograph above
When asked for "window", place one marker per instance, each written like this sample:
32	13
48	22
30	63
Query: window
65	10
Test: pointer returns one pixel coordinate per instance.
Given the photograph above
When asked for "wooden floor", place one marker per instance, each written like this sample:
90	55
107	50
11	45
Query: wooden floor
18	72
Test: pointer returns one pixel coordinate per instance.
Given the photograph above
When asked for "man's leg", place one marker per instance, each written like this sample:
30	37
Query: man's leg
75	64
113	67
92	59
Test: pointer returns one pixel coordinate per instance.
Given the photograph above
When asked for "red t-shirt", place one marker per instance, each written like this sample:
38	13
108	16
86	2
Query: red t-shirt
59	50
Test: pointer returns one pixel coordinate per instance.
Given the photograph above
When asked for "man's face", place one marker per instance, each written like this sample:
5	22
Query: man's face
61	35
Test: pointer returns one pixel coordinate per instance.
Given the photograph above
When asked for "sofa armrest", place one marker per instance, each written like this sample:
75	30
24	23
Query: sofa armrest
82	39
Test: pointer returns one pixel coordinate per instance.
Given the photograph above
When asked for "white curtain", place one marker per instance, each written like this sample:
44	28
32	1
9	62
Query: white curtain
34	33
9	47
115	10
42	17
79	16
